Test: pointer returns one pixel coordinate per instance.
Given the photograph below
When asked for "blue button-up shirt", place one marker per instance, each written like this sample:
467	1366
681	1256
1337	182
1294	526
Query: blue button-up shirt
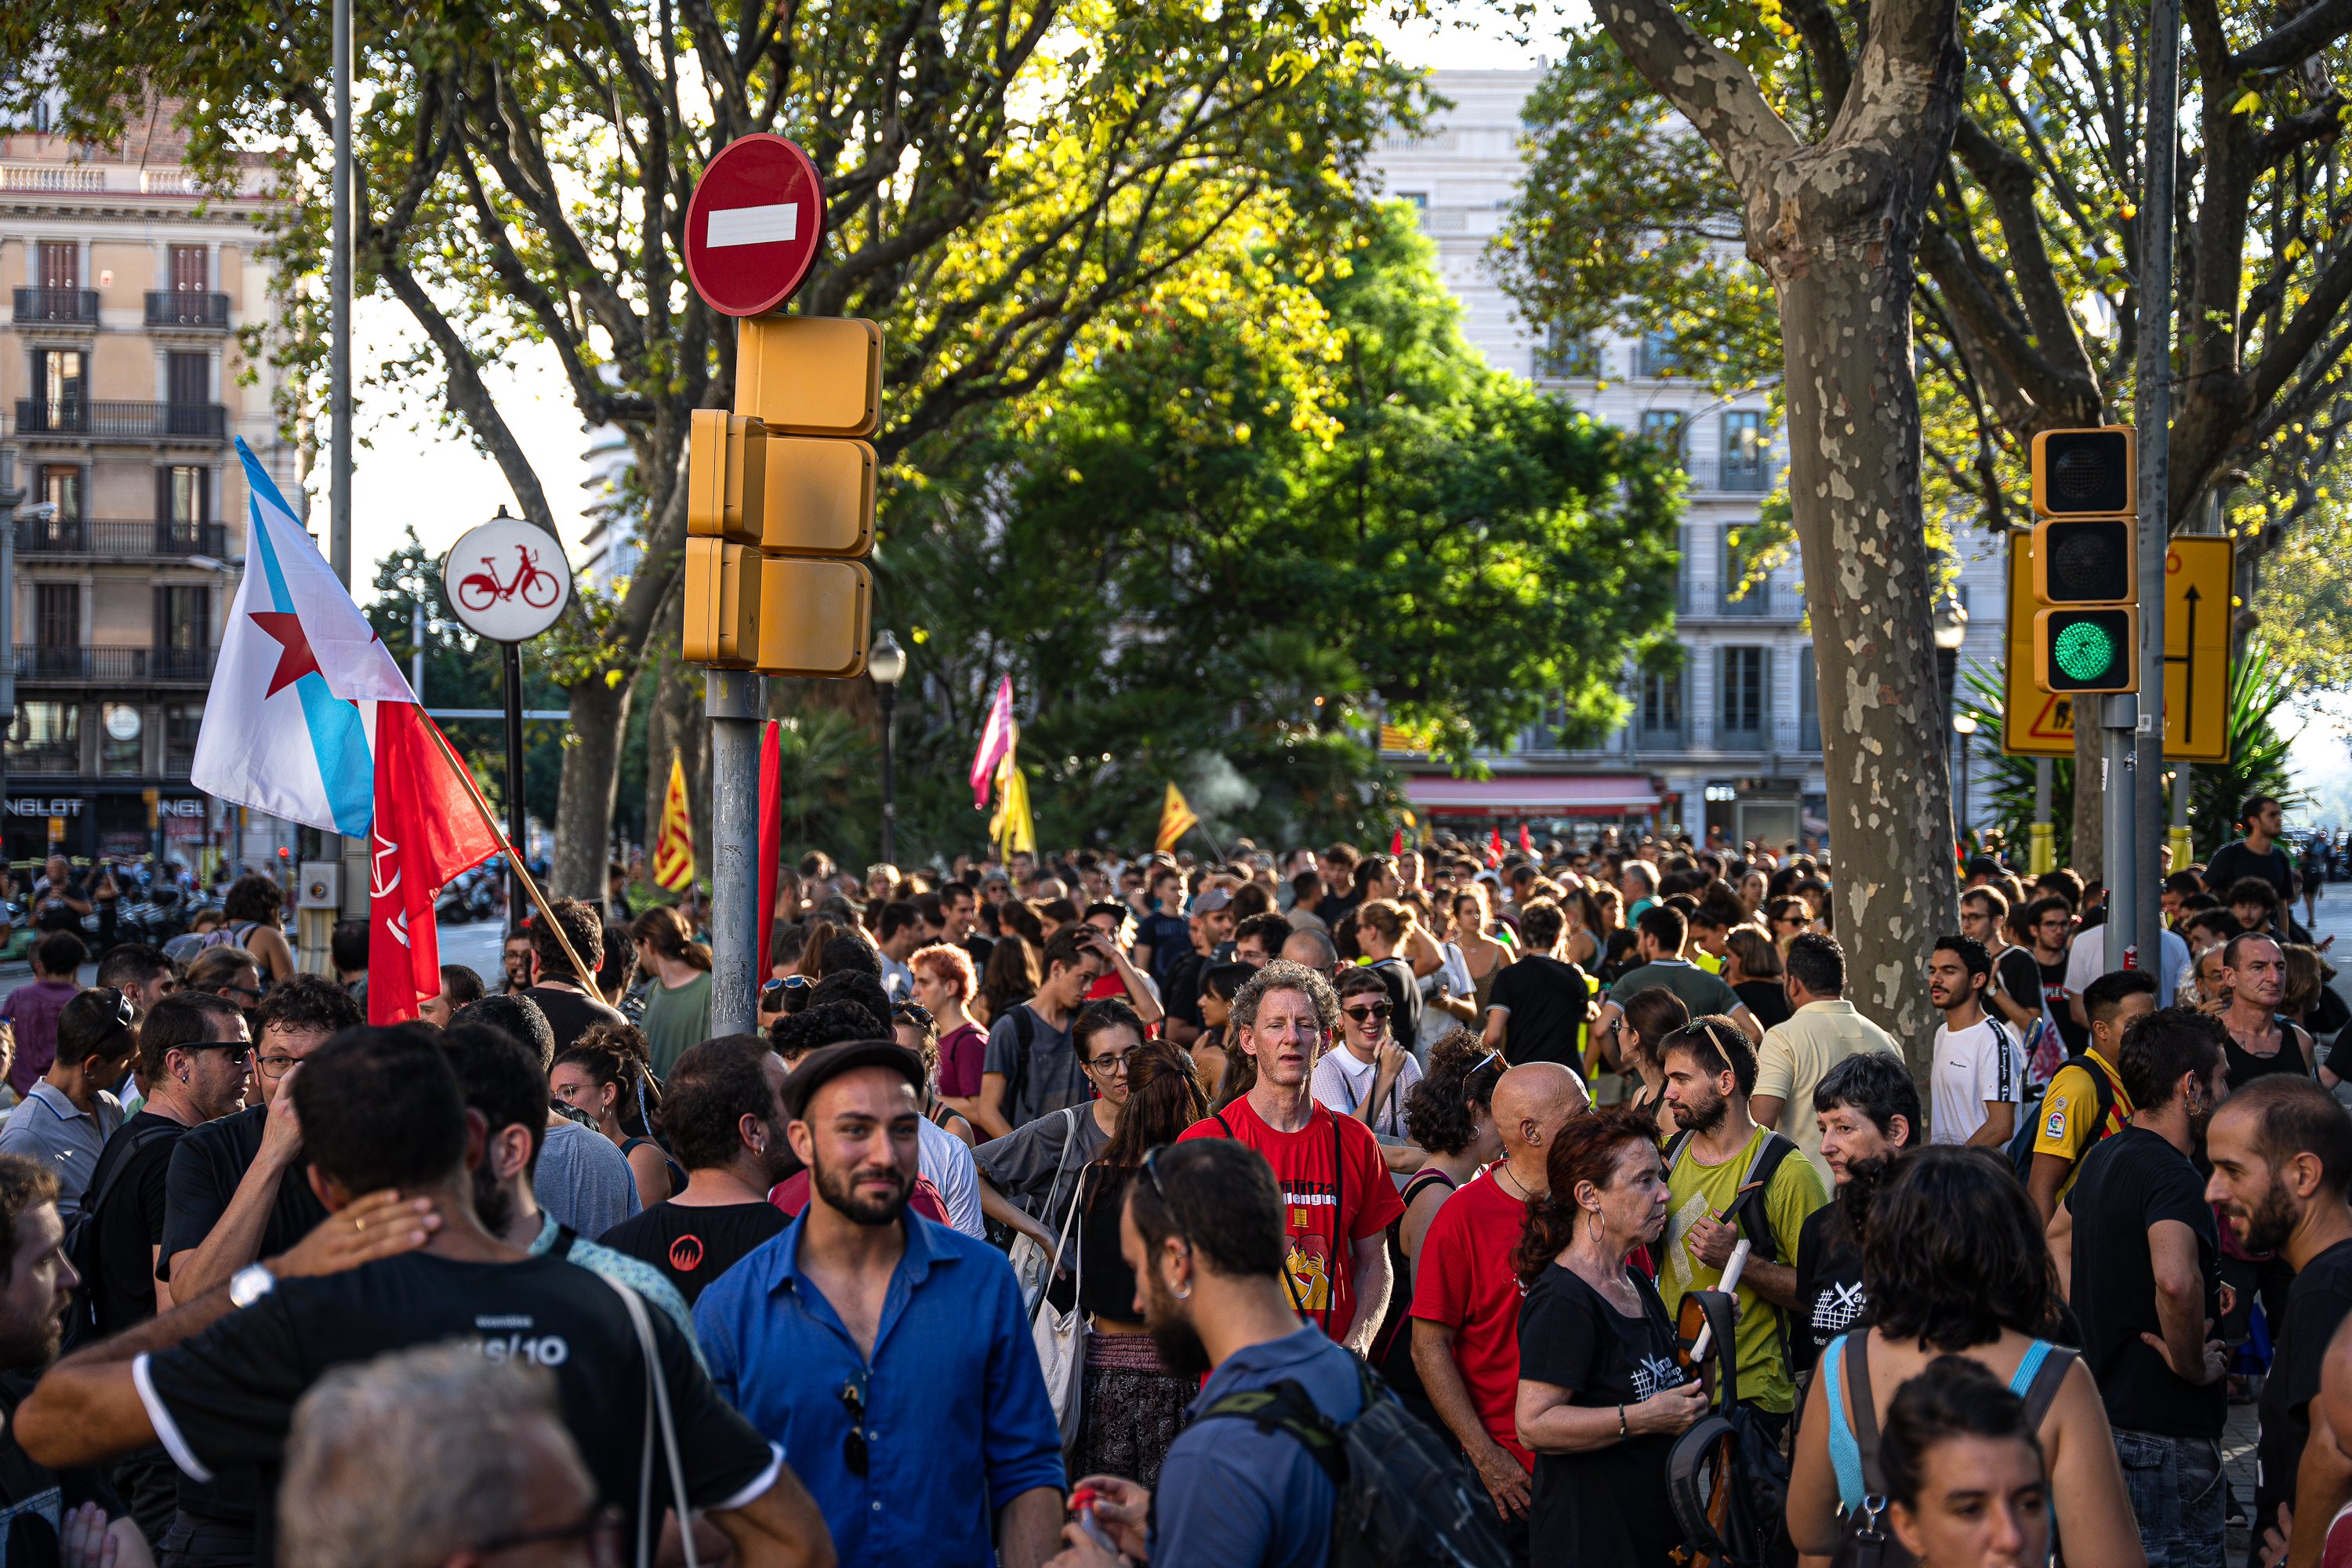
957	1420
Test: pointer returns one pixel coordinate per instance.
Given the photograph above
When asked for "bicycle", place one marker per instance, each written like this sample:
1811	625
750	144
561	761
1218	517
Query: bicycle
536	586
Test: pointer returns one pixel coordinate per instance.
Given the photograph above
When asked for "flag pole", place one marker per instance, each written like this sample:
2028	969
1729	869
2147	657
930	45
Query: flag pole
514	858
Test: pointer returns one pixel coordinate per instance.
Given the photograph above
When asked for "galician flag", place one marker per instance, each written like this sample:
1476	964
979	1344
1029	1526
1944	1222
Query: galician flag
309	718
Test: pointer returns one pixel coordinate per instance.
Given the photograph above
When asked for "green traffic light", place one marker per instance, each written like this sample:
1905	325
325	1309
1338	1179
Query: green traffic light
2083	650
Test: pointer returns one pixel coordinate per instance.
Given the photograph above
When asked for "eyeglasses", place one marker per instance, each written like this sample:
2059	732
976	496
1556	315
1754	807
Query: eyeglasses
253	991
600	1527
275	1066
125	1014
1110	1064
1480	1065
853	1452
1367	1015
914	1013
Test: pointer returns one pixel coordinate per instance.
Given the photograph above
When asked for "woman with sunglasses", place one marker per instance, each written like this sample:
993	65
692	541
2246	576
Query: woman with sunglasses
1370	1076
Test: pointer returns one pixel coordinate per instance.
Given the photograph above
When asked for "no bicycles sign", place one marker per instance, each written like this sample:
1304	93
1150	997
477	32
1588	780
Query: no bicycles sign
507	579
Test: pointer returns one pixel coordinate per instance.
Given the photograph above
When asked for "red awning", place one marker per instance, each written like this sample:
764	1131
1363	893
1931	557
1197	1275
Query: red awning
1534	794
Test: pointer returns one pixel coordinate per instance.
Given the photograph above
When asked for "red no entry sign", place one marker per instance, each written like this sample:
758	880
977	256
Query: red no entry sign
754	224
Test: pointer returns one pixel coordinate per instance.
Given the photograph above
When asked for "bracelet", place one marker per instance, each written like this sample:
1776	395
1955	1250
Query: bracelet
1620	1423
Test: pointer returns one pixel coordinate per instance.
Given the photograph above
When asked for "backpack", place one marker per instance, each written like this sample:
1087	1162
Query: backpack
1400	1498
1754	1224
1726	1478
1025	1036
81	1233
2021	1142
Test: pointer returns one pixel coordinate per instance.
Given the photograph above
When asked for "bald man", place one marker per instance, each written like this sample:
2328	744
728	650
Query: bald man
1465	1298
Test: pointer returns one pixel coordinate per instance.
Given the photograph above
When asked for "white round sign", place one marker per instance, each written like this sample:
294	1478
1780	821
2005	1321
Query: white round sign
122	721
507	579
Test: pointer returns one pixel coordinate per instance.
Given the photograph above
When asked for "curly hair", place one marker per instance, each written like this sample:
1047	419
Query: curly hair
306	1003
1440	1110
615	1054
252	897
945	961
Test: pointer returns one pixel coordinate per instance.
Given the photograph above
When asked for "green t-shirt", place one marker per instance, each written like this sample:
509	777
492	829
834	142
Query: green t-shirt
1701	992
676	1020
1795	1193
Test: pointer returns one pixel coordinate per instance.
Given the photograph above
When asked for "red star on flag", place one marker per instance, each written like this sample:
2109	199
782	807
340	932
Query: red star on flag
296	660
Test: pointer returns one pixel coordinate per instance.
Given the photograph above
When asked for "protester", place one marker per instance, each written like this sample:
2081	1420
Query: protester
1733	1181
1978	1079
2048	924
1467	1295
251	912
722	1113
2257	854
2137	1255
64	1120
1031	1069
227	973
2259	1041
677	999
514	960
1867	1112
945	983
1538	1007
1600	1395
140	973
31	1010
583	1179
945	1155
1952	1267
404	1261
1754	969
2280	1150
1029	1179
891	1360
2086	1101
1337	1192
460	987
1966	1483
1823	1030
559	992
1370	1075
1662	934
607	1078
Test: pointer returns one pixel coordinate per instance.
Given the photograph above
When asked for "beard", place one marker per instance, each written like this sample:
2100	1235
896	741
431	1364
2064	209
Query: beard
493	1204
1182	1353
839	1189
2269	1222
1704	1116
29	1344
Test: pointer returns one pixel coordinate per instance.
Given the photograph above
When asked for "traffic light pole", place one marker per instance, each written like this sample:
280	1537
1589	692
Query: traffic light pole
731	701
2119	719
2153	415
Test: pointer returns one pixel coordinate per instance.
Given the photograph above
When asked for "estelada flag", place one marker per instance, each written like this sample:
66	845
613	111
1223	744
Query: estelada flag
674	847
1176	819
429	824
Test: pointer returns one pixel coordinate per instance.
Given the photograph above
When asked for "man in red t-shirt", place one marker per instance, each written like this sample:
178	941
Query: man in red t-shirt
1466	1295
1335	1190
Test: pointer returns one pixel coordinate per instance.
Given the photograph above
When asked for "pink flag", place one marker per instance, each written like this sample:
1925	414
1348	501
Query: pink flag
995	740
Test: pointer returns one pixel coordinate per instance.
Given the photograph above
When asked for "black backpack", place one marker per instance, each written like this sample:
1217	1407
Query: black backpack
2103	1092
1726	1477
1400	1499
81	1232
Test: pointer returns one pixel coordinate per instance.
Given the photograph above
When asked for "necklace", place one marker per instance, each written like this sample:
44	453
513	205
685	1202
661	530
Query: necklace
1503	1174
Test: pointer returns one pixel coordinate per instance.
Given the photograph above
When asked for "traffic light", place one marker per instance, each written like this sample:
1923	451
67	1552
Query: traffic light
2086	561
780	501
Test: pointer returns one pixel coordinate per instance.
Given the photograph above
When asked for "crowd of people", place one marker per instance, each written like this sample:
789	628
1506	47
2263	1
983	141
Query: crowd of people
1554	1207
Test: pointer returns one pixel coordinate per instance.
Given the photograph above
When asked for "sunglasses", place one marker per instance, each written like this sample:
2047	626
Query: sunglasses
913	1013
854	1451
1367	1015
788	982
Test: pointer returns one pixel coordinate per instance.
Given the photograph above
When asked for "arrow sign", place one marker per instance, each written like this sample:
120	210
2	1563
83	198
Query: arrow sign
754	225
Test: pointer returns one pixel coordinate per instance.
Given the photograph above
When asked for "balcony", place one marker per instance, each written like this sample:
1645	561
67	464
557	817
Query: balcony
84	662
78	420
178	308
1731	737
1765	601
1744	477
121	539
62	307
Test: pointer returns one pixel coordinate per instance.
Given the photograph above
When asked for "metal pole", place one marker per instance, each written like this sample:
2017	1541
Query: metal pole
10	498
516	893
731	702
338	286
2119	718
890	794
416	648
2152	414
1964	784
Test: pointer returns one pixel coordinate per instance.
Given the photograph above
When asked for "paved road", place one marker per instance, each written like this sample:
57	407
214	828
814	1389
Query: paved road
475	946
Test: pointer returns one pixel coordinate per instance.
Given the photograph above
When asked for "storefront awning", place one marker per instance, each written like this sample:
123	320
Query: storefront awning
1533	795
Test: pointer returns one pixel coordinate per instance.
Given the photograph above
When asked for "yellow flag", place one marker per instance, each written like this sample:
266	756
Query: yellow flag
673	847
1176	818
1010	829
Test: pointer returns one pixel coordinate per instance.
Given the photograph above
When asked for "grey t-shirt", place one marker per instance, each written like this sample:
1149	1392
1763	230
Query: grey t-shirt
584	1179
1024	1165
1053	1078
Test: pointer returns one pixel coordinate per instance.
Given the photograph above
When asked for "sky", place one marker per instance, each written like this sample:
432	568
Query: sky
409	472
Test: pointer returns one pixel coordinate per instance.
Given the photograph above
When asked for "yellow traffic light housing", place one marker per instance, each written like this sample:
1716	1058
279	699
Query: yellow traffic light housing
821	613
722	594
2086	560
2086	650
810	375
725	463
2086	473
818	496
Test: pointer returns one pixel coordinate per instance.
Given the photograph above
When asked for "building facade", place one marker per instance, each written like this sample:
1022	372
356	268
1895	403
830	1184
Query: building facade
123	386
1729	744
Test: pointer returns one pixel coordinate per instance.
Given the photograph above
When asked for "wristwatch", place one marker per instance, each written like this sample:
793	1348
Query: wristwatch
250	1284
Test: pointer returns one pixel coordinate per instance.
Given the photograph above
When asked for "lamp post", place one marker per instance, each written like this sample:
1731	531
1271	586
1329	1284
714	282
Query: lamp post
886	661
1950	630
1965	728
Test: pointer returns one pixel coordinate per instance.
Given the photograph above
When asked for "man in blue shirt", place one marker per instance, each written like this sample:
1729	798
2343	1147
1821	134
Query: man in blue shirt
887	1356
1204	1234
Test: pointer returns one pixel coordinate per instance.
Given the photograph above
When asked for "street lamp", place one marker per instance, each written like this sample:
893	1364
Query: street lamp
1950	630
1965	728
886	661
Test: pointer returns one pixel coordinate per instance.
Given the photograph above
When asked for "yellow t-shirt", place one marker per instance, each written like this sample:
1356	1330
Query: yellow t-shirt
1795	1193
2070	1113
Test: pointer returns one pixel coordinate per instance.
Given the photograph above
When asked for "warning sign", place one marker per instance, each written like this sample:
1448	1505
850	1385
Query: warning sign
2196	579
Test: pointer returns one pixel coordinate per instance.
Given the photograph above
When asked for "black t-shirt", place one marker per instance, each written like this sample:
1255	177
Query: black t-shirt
1547	998
231	1391
1179	990
1609	1508
35	1498
2128	1182
2234	860
694	1245
1830	1299
130	1221
1767	1000
2054	996
570	1015
2020	976
1404	1000
2316	1304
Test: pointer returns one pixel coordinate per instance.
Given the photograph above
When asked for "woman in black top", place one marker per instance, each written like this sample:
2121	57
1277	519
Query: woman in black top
1130	1404
1649	1016
1601	1394
1753	972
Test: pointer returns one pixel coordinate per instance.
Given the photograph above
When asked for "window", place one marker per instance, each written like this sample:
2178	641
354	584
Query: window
62	488
181	723
46	739
1656	355
121	738
183	506
1741	687
57	614
1566	353
190	273
1662	707
184	617
190	378
58	378
60	263
1746	460
1663	427
1809	703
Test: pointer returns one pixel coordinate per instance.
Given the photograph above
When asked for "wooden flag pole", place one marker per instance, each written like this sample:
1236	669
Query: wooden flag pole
514	858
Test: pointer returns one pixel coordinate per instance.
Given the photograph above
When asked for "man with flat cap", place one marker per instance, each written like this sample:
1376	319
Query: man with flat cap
857	1338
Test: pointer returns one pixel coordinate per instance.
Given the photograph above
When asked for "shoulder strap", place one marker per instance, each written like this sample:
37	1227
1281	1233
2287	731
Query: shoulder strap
104	1181
658	1419
2042	1392
1674	1147
1863	1404
1222	1122
565	1239
1062	1162
1755	1224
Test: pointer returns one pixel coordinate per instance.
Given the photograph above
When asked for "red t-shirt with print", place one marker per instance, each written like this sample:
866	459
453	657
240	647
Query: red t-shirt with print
1328	1205
1463	1278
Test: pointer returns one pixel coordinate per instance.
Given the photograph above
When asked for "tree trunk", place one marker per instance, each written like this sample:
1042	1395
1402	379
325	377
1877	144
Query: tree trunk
590	784
2088	856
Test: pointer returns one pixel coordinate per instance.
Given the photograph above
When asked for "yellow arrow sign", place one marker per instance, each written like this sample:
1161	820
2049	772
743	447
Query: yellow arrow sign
2198	573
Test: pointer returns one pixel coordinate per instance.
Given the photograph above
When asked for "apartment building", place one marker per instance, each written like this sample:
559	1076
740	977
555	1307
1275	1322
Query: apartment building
121	385
1730	742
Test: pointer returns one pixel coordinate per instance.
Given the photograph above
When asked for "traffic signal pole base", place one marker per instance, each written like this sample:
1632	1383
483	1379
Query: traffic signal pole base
732	703
2119	719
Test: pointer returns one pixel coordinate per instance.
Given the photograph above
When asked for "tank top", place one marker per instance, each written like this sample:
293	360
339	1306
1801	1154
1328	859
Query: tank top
677	1172
2246	1067
1392	1345
1846	1454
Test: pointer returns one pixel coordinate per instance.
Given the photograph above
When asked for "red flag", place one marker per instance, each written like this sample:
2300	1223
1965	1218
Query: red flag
427	828
771	834
1396	842
1526	841
1495	849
